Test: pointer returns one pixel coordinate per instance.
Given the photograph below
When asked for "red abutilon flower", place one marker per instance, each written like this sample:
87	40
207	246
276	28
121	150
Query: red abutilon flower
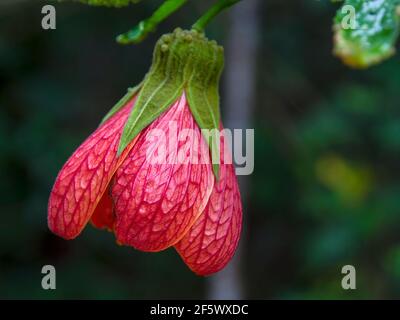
147	173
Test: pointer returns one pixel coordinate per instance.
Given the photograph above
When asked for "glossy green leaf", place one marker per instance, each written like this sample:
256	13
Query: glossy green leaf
366	31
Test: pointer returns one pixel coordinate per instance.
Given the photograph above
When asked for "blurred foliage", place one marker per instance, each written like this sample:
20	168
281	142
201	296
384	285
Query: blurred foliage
326	186
366	31
107	3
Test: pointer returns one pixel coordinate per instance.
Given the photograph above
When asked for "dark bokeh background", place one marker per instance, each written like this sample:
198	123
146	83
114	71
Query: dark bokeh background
326	186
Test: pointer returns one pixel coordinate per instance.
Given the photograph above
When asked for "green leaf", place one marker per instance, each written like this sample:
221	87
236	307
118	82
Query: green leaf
366	31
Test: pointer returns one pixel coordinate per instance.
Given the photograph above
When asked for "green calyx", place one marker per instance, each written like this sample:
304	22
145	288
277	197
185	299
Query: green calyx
183	62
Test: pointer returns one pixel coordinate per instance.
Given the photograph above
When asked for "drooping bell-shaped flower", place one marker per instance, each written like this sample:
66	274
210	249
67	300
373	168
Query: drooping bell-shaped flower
212	240
157	172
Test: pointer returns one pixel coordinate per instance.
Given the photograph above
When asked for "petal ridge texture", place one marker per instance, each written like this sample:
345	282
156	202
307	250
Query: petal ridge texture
156	203
212	241
84	178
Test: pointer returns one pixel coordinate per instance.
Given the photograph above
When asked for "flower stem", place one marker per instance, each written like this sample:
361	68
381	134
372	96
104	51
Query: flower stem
212	12
140	32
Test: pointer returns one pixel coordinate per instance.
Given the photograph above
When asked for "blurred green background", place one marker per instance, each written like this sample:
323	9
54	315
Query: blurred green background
326	187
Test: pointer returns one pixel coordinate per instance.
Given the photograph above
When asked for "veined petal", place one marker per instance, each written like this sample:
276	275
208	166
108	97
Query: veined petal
211	242
85	176
157	201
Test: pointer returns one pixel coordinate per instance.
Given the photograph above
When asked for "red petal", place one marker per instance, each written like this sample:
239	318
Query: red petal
211	242
84	178
103	216
156	204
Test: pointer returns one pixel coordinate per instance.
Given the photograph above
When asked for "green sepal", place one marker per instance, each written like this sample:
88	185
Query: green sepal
131	92
202	92
184	61
107	3
161	88
374	35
